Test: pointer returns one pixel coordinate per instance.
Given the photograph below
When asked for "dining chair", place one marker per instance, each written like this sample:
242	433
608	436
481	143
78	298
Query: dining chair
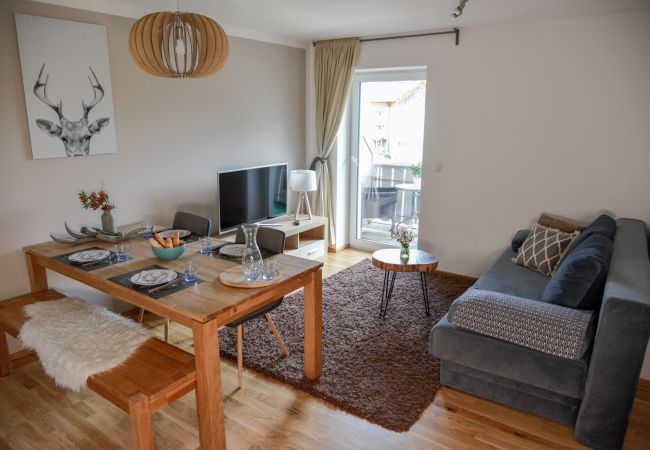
271	240
196	225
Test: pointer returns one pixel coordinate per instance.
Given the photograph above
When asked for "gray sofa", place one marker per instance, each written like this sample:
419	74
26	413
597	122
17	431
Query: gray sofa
594	393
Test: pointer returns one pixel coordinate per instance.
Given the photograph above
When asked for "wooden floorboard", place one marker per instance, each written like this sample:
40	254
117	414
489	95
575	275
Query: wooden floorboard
35	414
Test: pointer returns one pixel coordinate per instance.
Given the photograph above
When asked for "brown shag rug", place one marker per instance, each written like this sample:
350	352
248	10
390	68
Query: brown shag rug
379	370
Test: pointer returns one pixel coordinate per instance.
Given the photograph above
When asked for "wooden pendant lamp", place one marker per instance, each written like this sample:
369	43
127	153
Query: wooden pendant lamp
178	45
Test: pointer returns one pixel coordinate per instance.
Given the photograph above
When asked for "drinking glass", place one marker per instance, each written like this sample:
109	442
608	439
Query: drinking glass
269	269
148	230
122	252
206	244
190	271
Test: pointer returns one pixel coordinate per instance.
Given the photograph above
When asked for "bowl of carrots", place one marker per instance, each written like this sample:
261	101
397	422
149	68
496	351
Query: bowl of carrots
168	248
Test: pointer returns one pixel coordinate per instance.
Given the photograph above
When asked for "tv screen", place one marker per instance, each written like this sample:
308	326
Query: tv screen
251	195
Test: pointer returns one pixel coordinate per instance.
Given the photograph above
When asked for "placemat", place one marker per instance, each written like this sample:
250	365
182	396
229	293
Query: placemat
179	285
90	266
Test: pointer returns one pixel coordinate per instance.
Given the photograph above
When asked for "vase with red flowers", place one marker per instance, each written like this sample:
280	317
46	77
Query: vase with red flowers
100	200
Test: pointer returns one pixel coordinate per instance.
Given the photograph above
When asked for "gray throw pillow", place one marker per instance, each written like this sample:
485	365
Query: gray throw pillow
544	248
603	224
519	239
580	278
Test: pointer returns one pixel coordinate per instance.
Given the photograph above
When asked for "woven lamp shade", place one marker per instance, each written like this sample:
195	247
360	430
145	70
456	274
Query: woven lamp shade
178	45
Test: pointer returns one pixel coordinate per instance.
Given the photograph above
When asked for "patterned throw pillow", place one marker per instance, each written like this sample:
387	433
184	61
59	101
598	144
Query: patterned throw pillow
544	248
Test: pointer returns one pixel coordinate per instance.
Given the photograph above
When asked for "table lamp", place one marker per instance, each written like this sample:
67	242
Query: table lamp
302	181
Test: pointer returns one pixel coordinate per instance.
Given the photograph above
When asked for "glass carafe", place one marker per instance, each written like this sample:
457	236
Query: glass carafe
251	257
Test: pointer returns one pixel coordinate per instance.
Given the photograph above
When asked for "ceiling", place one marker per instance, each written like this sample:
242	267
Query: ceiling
298	22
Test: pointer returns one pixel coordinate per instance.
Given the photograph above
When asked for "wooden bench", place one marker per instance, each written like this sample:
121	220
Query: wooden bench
151	378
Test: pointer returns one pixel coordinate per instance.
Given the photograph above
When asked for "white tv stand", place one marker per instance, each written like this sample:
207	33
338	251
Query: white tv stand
307	240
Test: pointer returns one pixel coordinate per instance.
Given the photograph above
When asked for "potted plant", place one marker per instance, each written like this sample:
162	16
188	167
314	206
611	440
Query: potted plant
416	171
100	200
404	236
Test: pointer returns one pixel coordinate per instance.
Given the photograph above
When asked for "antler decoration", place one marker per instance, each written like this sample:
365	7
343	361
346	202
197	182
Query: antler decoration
98	92
40	89
87	234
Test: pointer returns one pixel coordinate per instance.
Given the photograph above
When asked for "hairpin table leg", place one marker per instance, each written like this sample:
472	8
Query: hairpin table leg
386	292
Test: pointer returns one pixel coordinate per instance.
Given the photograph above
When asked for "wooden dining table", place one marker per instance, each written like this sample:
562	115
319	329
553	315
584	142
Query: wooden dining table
204	307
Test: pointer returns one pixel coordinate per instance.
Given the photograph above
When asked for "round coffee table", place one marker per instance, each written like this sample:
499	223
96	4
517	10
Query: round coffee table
390	261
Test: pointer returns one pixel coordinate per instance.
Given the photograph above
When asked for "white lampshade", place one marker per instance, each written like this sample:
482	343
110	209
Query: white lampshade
302	180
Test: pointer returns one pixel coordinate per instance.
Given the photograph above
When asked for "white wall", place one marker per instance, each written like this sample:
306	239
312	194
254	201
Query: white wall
524	118
172	135
528	117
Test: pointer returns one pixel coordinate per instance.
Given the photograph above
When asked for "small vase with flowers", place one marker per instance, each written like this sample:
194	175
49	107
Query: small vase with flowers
100	200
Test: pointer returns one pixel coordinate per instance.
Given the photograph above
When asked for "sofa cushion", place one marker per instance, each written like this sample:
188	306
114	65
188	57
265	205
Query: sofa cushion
604	225
504	359
580	278
519	239
558	224
509	278
544	248
552	329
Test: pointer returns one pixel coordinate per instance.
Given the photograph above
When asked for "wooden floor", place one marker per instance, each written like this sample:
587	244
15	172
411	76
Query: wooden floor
34	414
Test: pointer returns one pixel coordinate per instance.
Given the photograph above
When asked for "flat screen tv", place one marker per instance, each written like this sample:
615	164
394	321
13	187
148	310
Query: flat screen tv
251	195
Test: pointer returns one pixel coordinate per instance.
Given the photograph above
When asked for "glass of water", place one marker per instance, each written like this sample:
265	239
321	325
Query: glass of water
251	272
122	252
269	269
190	271
206	244
148	230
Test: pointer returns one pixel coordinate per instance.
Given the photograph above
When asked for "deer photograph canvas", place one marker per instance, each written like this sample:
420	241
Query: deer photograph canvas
67	83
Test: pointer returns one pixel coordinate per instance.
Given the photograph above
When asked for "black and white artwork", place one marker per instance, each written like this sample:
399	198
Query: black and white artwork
67	82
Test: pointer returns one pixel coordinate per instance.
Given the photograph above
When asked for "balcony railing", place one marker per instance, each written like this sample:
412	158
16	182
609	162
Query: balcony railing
388	175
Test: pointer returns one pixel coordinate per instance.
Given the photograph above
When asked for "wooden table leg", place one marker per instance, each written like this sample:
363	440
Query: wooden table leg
314	325
209	400
37	275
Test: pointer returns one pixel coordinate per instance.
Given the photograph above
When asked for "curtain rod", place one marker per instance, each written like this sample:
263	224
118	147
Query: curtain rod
454	31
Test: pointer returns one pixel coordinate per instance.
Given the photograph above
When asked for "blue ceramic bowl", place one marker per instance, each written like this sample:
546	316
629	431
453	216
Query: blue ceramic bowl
167	254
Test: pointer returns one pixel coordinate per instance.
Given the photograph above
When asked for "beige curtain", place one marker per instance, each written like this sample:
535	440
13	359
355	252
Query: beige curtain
334	64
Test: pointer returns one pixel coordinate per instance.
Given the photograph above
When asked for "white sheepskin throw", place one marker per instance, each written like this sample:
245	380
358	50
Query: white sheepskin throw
75	339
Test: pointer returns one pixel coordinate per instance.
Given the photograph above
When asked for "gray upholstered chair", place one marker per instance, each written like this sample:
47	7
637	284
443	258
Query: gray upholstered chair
270	240
197	225
380	203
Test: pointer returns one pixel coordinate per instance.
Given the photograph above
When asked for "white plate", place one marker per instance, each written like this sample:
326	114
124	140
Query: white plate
153	277
232	250
170	233
89	256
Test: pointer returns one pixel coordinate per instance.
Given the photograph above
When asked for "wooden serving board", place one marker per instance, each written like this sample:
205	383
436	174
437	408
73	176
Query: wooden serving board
234	277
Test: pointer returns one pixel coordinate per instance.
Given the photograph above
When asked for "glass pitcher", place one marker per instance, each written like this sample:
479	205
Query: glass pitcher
251	257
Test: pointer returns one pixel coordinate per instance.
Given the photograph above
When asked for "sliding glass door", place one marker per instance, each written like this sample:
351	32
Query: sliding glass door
387	116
